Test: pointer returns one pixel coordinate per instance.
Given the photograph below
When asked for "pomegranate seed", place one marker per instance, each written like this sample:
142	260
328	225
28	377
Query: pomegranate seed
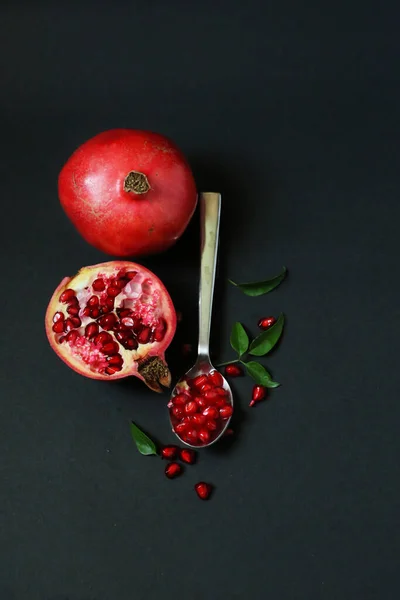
199	381
220	402
211	395
228	432
181	427
211	412
211	425
259	393
76	321
91	330
203	490
179	316
191	407
127	321
222	392
73	301
67	295
94	312
115	360
216	378
58	327
93	301
130	274
202	402
144	335
130	344
103	337
169	452
187	455
86	312
125	312
110	348
112	370
58	316
108	305
226	412
73	310
178	412
199	419
120	283
98	285
266	322
137	325
180	400
204	436
108	321
121	336
233	370
113	291
72	336
68	325
172	470
159	332
191	436
206	388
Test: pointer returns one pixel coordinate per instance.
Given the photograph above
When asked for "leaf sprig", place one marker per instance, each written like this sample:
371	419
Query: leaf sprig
259	346
144	444
258	288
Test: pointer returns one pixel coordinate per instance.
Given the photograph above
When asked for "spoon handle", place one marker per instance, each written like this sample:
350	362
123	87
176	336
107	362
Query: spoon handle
210	209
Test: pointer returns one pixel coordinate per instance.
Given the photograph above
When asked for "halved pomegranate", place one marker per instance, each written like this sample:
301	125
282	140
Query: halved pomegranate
113	320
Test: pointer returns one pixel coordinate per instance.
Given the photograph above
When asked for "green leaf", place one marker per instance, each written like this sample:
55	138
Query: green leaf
258	288
239	339
260	375
264	343
144	444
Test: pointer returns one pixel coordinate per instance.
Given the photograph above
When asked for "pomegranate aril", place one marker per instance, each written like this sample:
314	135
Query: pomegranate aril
159	332
228	432
233	370
127	321
199	419
169	452
222	392
204	436
211	395
180	400
199	381
91	330
124	312
93	301
187	455
220	402
216	378
86	311
58	327
103	337
120	283
115	360
203	490
206	388
259	392
108	321
73	309
76	321
178	412
110	348
172	470
191	407
58	316
211	412
180	428
107	305
73	302
226	412
191	436
211	425
94	312
121	336
130	274
144	335
113	291
266	322
67	295
130	344
72	336
98	285
202	402
68	324
112	370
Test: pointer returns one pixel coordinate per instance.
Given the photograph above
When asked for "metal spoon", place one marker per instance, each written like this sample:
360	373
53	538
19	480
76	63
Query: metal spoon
210	209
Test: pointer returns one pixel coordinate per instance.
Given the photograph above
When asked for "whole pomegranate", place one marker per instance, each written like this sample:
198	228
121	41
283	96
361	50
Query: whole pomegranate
128	192
113	320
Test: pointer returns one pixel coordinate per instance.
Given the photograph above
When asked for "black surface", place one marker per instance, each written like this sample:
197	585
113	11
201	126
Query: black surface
291	110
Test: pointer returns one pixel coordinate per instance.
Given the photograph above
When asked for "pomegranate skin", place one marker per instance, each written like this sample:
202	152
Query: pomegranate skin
93	191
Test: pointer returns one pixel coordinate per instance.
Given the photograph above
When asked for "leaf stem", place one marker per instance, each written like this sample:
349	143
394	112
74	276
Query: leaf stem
229	362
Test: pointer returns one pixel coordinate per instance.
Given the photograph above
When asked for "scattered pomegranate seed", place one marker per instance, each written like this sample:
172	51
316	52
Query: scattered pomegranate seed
172	470
67	295
169	452
216	378
226	412
266	322
203	490
259	393
233	370
98	285
228	432
187	455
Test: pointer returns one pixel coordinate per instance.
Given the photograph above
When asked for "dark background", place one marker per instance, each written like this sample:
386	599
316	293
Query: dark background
291	111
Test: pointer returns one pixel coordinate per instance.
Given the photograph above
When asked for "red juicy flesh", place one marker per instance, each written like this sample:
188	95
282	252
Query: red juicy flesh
115	310
200	408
